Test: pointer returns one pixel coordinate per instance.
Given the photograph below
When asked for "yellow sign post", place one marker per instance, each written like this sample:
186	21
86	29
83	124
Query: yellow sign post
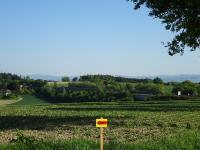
101	123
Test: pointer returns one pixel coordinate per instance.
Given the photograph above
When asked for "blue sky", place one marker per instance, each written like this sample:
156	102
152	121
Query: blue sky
75	37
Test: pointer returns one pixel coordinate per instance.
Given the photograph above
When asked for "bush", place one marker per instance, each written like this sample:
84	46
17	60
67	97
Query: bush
20	138
187	88
165	98
10	96
149	88
127	99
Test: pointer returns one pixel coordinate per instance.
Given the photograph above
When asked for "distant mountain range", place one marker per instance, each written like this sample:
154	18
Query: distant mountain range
165	78
175	78
180	78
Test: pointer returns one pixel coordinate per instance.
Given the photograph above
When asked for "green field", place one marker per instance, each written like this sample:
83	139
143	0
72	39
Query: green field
58	84
131	124
30	100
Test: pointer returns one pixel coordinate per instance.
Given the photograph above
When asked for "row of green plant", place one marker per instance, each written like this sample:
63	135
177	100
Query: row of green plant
184	141
128	121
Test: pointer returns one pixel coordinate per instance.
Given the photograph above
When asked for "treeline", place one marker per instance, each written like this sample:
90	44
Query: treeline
95	88
101	89
12	85
110	88
187	88
88	91
95	78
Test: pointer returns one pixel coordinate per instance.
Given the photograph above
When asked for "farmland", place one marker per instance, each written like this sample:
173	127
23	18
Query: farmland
141	113
140	123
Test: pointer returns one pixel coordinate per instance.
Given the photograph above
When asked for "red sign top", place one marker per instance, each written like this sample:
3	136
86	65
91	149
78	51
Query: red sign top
102	122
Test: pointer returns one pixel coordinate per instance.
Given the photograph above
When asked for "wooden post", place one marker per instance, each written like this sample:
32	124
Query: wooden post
101	138
101	123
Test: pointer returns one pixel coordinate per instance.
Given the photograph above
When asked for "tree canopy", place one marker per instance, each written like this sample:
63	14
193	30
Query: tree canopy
179	16
65	79
158	80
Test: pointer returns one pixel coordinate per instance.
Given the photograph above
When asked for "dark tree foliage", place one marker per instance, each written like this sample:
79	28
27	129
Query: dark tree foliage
65	79
95	78
109	78
75	79
149	88
18	85
87	92
9	76
9	81
187	88
179	16
132	80
13	86
158	80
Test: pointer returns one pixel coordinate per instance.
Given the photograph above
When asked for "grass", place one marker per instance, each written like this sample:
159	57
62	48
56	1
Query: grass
59	84
141	124
187	141
30	100
4	102
7	102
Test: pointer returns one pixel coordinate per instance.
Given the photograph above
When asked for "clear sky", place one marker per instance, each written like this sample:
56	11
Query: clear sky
75	37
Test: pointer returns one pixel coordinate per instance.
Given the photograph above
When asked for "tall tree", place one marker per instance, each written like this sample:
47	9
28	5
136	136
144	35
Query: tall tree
179	16
75	79
158	80
65	79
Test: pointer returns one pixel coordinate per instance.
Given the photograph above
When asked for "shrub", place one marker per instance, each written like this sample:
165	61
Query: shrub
149	88
169	98
10	96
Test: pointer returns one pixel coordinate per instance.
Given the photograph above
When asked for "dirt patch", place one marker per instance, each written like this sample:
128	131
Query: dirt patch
6	102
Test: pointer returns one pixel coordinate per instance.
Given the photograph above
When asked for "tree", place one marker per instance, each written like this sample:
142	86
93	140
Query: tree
65	79
198	90
75	79
13	86
149	88
179	16
187	88
158	81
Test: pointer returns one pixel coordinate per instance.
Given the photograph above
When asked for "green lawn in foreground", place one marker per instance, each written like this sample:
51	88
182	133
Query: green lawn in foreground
145	124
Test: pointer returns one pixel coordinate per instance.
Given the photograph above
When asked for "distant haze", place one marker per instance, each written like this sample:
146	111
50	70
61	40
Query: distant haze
45	77
177	78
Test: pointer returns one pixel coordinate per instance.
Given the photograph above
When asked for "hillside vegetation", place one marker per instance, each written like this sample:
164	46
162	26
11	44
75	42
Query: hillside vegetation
95	88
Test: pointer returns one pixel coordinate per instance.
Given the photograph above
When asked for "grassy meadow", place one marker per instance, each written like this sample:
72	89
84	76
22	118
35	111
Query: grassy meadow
132	125
58	84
